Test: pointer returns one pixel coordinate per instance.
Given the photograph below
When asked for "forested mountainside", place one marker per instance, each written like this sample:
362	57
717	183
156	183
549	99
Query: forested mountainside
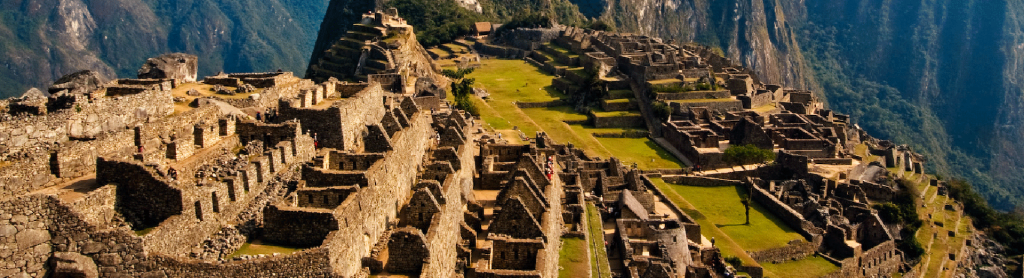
944	76
42	40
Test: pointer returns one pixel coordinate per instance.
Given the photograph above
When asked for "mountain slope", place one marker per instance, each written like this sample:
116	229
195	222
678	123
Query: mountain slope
50	38
944	76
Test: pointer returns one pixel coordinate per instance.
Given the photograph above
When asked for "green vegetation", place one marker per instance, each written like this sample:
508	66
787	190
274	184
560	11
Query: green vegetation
598	256
510	81
572	259
1007	228
723	207
436	22
708	228
661	110
257	247
747	154
810	267
457	73
461	92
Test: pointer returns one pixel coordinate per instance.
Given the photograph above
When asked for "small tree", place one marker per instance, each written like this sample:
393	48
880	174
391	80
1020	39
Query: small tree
747	154
746	206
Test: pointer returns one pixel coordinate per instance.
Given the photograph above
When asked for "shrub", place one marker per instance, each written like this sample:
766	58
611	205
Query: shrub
747	154
662	110
733	260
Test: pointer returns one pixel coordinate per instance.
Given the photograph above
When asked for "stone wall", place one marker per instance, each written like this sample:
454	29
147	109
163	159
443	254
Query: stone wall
794	250
681	108
340	126
317	224
528	38
83	120
701	181
443	241
784	212
618	121
32	228
500	51
365	218
691	226
693	95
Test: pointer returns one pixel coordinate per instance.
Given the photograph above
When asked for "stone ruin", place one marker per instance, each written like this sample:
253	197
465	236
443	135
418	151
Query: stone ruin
370	173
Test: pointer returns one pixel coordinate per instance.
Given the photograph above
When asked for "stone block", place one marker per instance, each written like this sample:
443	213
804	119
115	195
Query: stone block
31	237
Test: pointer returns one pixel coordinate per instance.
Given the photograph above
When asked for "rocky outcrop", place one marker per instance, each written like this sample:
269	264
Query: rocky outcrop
81	82
178	66
46	39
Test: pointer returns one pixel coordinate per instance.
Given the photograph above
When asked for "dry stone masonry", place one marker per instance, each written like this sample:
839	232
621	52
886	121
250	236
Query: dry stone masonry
363	169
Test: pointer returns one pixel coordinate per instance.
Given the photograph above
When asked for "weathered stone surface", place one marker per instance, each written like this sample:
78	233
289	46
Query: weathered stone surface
178	66
32	237
7	230
65	264
81	82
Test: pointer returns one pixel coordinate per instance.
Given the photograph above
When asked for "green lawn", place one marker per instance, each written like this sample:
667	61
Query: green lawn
563	50
604	114
504	80
810	267
515	80
644	152
257	248
618	100
619	94
572	259
708	229
665	81
722	206
598	257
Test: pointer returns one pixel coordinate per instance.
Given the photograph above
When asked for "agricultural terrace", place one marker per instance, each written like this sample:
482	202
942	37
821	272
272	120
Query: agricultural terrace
512	81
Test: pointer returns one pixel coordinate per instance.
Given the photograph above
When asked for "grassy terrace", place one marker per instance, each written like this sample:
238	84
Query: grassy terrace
810	267
562	50
620	94
572	259
703	100
618	100
257	248
665	81
603	114
721	215
599	266
722	205
510	81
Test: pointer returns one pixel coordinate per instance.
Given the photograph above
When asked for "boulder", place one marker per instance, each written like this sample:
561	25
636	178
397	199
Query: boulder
82	82
245	89
66	264
218	89
193	92
181	67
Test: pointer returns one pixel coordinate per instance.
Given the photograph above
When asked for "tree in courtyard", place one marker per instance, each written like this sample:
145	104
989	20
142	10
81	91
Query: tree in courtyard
747	154
746	206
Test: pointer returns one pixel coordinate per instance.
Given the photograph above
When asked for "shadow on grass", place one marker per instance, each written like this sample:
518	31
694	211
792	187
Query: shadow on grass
662	153
754	205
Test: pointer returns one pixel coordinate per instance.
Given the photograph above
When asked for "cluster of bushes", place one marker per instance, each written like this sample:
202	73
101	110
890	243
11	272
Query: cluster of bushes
747	154
903	209
662	110
437	22
526	20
